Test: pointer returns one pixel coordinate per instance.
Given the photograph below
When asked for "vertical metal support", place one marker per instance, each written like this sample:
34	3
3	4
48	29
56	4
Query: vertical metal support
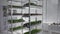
42	14
7	19
42	10
43	4
58	12
11	18
36	13
22	17
29	19
22	22
46	10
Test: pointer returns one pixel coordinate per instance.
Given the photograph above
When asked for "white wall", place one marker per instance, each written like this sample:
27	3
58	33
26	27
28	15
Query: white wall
59	11
50	15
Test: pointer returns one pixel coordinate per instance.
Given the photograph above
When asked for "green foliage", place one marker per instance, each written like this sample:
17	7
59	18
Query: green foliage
16	28
15	21
35	22
35	31
32	23
15	6
27	4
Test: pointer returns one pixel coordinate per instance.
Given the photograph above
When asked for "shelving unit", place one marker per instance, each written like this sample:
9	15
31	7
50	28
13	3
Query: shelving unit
26	16
22	17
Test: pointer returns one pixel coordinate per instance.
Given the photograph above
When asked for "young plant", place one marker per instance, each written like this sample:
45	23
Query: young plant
16	28
15	21
35	31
